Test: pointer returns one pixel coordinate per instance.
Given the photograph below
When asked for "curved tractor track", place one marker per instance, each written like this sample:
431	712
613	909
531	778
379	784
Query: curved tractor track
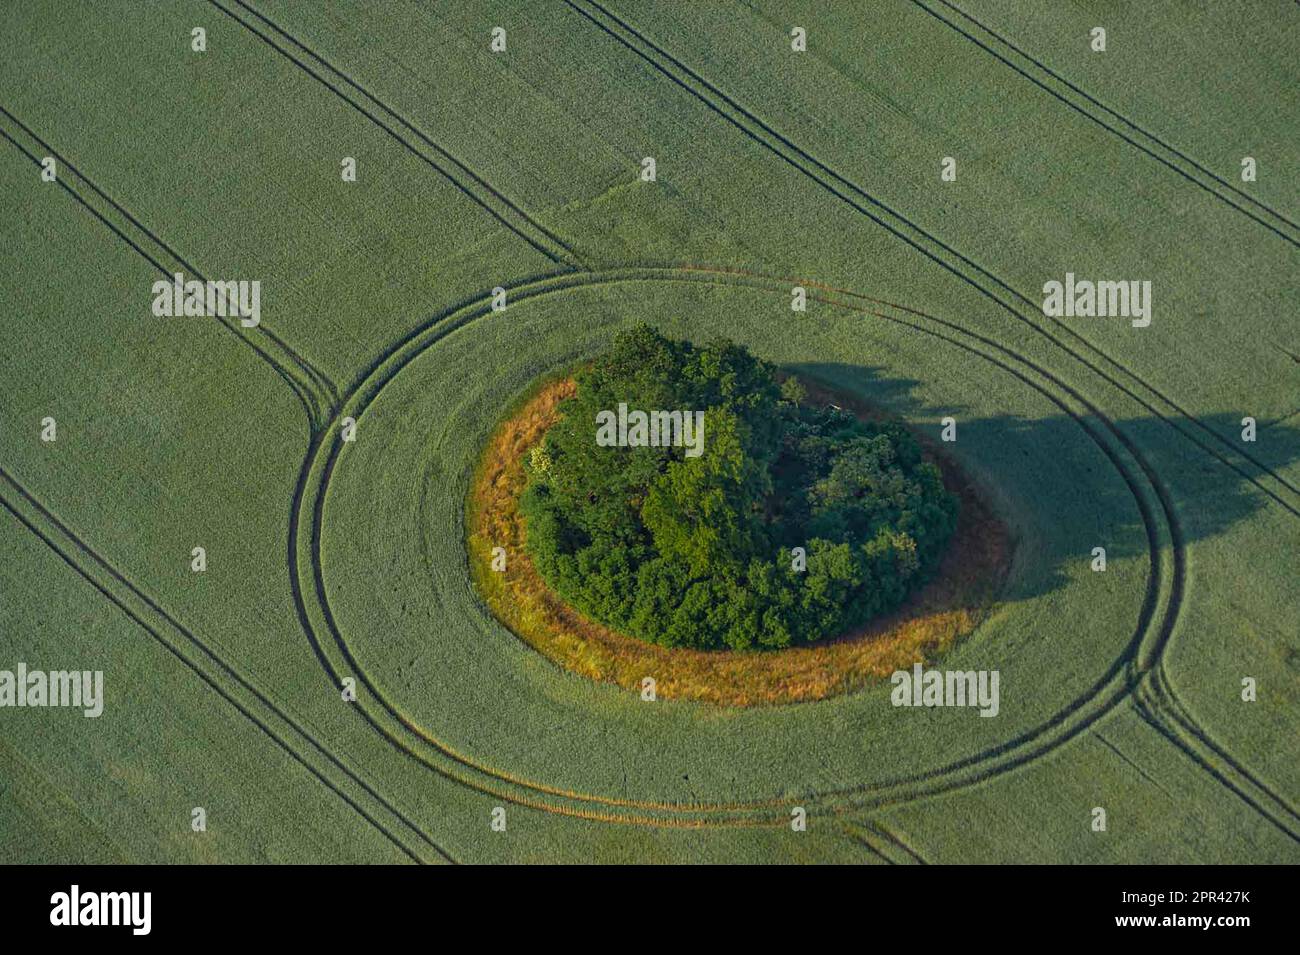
1154	698
1151	634
314	390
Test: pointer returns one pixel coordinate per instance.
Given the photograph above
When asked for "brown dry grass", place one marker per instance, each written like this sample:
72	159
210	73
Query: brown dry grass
946	609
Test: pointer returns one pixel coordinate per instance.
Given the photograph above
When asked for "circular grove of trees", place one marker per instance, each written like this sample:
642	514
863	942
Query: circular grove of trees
784	524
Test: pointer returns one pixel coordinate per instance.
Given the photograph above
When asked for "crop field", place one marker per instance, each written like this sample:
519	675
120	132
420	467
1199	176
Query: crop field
254	525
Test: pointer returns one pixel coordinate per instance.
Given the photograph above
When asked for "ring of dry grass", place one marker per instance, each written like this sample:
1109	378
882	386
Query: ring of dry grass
961	593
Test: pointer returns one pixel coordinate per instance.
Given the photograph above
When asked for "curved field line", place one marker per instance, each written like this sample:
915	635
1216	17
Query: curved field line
1152	142
1113	687
1157	703
300	390
317	379
172	635
468	182
922	241
1115	675
307	533
314	390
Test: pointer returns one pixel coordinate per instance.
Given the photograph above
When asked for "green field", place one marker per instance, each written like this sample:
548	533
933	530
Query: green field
332	560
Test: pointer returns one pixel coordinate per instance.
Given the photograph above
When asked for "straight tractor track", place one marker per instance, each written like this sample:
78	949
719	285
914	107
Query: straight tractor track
858	837
220	676
1157	703
933	248
314	390
1164	588
1082	102
882	843
470	183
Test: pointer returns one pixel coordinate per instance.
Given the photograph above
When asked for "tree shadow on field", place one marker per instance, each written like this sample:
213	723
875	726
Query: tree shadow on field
1053	461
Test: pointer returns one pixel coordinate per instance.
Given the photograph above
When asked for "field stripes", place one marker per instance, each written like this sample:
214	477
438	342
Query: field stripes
983	281
472	185
314	390
884	844
1089	106
1155	700
1157	703
869	845
220	676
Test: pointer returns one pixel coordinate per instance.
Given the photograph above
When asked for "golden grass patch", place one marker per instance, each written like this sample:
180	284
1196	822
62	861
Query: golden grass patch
949	607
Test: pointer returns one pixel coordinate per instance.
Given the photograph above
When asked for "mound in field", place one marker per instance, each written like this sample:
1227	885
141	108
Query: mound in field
730	514
950	606
960	590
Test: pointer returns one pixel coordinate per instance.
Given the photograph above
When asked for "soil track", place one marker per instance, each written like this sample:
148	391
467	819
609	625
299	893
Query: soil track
1158	704
883	844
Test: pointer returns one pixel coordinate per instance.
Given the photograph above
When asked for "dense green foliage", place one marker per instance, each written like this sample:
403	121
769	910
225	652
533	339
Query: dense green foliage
699	551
